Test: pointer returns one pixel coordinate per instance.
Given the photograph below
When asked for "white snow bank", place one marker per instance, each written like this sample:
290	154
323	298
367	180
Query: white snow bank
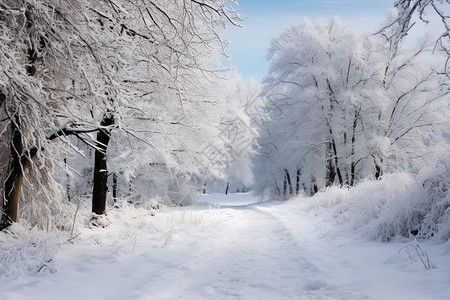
393	207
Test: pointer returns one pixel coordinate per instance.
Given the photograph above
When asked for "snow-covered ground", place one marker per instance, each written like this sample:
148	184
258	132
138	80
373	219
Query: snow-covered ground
228	247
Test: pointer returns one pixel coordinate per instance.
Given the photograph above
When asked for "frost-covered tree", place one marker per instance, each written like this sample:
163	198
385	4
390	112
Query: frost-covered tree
320	84
210	144
408	11
176	43
332	111
79	67
415	113
427	218
38	47
239	102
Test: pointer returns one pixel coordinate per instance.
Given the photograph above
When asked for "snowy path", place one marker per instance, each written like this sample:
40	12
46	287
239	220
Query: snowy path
259	251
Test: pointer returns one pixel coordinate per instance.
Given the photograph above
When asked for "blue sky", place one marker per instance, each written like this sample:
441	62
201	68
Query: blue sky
267	19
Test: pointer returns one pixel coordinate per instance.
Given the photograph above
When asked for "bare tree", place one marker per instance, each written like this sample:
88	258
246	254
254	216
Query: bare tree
398	27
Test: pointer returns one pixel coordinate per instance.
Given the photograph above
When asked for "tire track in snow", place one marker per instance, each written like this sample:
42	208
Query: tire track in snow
252	255
257	255
322	254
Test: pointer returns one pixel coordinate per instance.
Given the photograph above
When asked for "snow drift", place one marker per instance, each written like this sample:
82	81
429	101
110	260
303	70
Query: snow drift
398	205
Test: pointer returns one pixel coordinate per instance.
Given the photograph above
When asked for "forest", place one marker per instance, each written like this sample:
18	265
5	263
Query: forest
116	100
109	108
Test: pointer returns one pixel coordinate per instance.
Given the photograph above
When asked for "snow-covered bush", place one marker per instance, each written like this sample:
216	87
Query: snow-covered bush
26	251
396	206
424	210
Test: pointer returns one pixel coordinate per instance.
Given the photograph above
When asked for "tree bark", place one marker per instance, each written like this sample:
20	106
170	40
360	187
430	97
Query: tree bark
226	190
68	182
331	171
353	164
288	179
114	186
14	181
336	161
100	167
297	186
332	147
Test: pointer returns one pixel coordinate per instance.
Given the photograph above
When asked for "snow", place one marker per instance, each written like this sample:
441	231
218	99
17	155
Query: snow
236	199
226	247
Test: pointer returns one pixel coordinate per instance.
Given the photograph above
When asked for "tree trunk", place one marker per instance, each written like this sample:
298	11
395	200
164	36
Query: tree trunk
313	188
226	190
378	170
114	187
331	171
352	174
68	181
288	179
100	168
353	164
336	161
297	186
332	147
14	181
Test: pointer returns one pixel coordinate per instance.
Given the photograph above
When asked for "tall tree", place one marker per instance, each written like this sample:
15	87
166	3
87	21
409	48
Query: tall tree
334	98
77	75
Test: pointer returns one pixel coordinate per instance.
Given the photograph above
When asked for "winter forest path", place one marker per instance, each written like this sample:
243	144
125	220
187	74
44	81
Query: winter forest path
246	251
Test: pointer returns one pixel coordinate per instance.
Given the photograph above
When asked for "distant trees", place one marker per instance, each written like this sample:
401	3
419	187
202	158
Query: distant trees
76	68
202	149
342	108
239	103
